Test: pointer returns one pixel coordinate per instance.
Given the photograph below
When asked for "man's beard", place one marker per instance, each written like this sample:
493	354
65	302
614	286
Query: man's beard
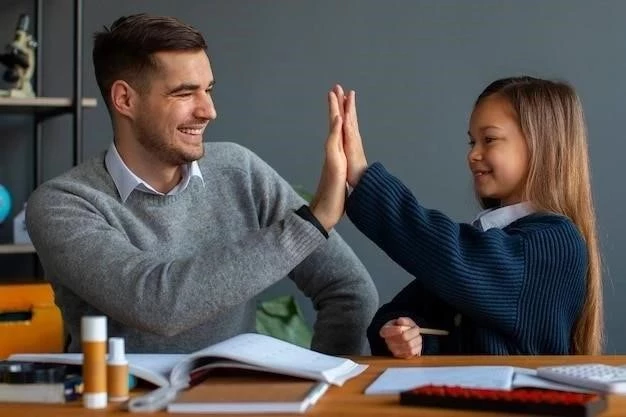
157	145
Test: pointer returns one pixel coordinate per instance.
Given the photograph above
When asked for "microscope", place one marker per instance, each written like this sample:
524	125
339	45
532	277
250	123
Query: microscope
19	58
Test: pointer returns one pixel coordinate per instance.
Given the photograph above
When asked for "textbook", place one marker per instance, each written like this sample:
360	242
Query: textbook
248	351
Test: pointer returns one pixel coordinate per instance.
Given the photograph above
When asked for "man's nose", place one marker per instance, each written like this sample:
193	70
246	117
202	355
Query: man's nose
206	108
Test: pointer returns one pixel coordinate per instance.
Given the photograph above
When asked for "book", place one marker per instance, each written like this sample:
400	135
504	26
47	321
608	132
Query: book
42	393
396	380
248	351
26	382
249	392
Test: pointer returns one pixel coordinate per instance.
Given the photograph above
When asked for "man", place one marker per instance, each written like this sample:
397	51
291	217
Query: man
172	238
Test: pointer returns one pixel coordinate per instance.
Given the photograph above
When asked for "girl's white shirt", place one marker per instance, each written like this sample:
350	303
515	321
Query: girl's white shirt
502	216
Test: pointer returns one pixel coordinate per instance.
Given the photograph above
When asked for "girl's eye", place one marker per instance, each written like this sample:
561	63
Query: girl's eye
471	143
489	140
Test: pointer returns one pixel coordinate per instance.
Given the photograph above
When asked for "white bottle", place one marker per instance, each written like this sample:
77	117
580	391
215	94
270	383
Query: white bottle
117	371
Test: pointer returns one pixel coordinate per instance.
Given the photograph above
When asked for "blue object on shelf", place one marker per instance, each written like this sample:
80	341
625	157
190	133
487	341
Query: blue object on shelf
5	203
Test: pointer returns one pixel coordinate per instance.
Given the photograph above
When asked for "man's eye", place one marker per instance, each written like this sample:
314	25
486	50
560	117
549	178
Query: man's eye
471	143
489	140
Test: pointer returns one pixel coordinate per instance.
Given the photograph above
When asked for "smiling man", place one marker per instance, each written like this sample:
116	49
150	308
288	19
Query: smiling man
172	238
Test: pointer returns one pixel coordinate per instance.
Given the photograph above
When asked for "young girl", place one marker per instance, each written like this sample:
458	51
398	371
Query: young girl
525	277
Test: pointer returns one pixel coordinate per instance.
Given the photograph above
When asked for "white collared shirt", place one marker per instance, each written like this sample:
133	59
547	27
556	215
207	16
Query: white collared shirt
126	181
501	217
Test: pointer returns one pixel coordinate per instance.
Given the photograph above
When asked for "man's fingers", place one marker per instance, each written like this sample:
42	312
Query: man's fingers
335	128
335	139
341	98
333	108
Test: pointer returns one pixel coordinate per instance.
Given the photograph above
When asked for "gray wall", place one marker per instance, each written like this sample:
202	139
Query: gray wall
417	66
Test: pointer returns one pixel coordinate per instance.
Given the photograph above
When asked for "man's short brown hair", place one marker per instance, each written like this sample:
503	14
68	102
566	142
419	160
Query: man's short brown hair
125	50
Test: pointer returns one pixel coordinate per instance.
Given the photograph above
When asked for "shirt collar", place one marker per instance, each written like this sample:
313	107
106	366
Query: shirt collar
502	216
126	181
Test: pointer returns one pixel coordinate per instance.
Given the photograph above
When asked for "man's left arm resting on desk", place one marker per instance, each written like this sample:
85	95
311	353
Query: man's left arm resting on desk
332	276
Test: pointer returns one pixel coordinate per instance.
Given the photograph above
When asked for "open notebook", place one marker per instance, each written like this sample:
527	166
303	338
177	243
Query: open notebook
248	351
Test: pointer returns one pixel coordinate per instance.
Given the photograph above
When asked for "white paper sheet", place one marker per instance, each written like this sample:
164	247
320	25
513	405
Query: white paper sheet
395	380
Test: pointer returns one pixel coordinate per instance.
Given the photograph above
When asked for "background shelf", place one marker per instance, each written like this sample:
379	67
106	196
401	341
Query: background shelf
42	105
12	248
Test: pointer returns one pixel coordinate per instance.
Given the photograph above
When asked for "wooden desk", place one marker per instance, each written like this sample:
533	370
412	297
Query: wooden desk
349	399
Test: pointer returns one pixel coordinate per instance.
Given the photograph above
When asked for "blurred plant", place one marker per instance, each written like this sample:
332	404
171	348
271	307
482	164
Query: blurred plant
282	318
303	192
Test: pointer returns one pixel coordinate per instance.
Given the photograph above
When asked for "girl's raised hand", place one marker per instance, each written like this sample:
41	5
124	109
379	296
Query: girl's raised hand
352	142
328	204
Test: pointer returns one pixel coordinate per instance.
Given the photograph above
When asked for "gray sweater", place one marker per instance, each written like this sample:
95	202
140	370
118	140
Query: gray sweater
178	273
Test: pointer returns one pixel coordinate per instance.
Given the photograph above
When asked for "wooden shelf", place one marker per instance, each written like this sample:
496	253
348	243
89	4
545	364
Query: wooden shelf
11	248
45	105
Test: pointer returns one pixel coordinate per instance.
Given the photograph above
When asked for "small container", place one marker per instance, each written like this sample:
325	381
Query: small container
117	371
94	345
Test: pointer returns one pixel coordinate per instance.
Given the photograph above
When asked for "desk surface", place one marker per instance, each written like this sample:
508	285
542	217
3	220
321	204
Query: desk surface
349	399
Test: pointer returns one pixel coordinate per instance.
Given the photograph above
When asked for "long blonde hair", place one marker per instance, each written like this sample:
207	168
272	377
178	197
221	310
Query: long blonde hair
552	121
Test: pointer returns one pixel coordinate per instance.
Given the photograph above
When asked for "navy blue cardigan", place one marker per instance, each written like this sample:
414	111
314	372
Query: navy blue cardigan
517	290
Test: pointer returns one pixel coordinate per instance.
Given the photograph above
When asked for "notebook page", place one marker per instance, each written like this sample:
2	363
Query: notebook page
279	356
395	380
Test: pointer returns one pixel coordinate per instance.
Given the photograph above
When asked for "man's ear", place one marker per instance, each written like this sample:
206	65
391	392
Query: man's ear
124	98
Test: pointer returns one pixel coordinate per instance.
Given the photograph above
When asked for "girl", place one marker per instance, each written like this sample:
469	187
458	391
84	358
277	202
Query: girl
525	277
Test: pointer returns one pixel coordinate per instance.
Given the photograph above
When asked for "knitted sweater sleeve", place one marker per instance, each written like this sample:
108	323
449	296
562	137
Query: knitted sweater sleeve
84	247
483	274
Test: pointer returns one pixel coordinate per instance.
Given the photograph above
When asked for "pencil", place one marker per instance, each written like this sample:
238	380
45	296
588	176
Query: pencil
434	332
426	330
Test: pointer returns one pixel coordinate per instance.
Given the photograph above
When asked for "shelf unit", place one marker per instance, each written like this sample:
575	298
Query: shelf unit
43	108
16	248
